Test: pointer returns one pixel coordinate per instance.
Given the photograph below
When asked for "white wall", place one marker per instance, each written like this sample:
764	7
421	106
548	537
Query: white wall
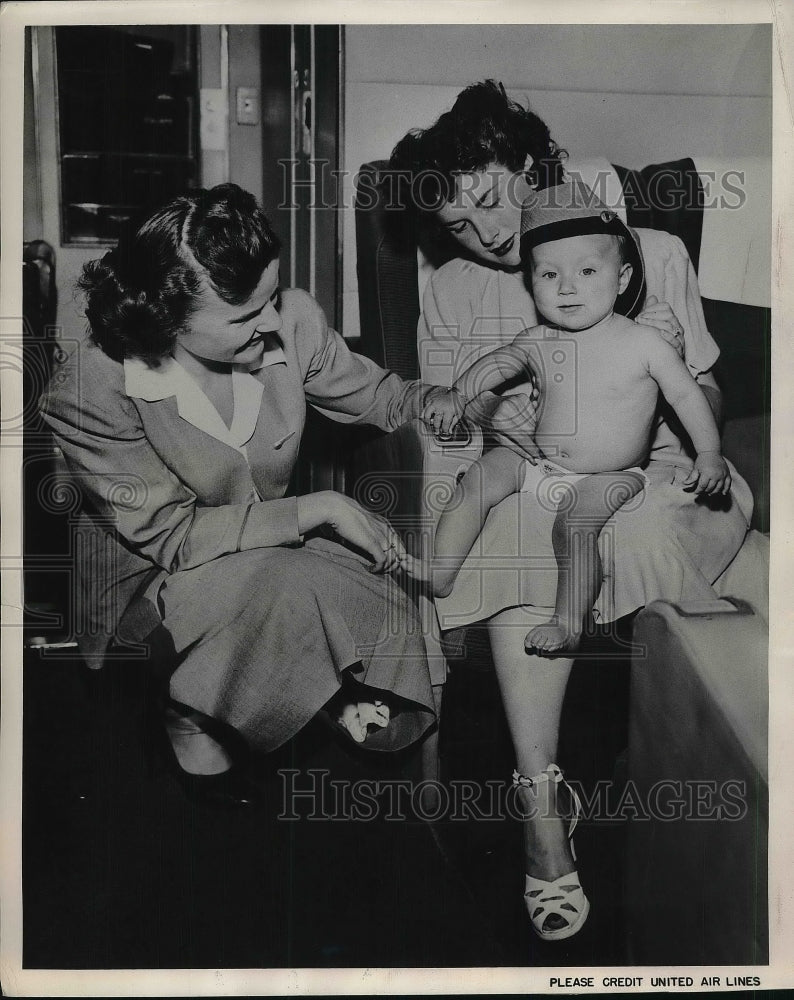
634	94
643	59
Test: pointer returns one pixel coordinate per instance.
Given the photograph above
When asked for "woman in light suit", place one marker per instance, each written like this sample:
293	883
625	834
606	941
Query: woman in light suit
180	417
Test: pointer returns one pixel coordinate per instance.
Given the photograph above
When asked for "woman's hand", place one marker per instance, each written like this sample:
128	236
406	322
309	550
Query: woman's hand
366	531
444	412
660	316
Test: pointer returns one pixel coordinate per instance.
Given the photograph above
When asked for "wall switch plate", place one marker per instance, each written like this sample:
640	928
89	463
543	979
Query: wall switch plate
247	106
214	117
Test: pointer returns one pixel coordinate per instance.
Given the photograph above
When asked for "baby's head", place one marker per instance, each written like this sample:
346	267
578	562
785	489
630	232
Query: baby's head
581	260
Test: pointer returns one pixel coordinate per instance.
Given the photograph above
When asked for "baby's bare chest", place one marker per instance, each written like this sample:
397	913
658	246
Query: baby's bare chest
609	384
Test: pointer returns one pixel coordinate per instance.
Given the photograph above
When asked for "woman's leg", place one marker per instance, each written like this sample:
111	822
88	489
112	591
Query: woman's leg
195	750
579	522
532	689
486	483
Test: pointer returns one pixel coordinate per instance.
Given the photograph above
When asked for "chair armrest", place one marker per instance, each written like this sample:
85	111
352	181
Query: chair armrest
693	637
698	774
747	576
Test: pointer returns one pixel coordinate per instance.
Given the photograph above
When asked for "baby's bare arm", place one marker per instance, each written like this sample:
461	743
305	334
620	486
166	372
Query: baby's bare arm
498	367
684	395
711	473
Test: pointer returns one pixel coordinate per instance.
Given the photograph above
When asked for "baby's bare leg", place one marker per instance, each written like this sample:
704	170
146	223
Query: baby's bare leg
486	483
578	524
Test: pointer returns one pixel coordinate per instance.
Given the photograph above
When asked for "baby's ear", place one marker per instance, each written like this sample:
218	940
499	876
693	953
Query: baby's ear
624	277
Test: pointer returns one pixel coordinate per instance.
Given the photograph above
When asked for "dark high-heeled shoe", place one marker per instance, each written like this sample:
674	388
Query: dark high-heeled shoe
230	789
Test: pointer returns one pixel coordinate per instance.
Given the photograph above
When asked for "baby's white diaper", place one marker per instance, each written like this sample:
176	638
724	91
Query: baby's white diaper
549	481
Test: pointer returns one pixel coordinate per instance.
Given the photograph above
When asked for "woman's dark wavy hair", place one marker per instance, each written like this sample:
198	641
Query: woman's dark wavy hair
140	295
483	126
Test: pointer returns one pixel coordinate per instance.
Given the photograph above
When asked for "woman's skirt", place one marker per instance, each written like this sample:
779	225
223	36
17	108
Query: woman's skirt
263	637
665	543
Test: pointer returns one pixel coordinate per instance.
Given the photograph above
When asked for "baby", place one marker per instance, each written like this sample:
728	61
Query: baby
583	263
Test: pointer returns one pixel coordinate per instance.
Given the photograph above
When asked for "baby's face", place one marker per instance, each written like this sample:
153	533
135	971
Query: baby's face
575	281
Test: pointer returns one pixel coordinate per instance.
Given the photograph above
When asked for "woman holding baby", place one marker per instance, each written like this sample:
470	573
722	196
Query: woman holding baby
487	156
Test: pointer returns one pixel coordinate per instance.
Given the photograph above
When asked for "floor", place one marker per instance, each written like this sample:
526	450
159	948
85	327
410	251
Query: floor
122	870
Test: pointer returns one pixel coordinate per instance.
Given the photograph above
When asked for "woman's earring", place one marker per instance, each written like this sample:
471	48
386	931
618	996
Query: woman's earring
530	174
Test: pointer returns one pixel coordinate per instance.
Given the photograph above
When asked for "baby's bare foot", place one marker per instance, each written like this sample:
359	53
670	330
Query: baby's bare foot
551	637
357	717
441	581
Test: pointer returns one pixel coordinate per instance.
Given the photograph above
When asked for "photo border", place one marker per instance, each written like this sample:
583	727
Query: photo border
17	981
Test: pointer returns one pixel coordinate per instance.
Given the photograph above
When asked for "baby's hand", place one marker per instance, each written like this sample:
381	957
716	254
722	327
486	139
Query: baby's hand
444	412
710	474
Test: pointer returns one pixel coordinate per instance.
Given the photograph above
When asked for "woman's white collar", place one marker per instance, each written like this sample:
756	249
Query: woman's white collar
170	379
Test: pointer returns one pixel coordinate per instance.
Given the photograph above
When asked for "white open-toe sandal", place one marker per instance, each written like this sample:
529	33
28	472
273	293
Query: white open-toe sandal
564	896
